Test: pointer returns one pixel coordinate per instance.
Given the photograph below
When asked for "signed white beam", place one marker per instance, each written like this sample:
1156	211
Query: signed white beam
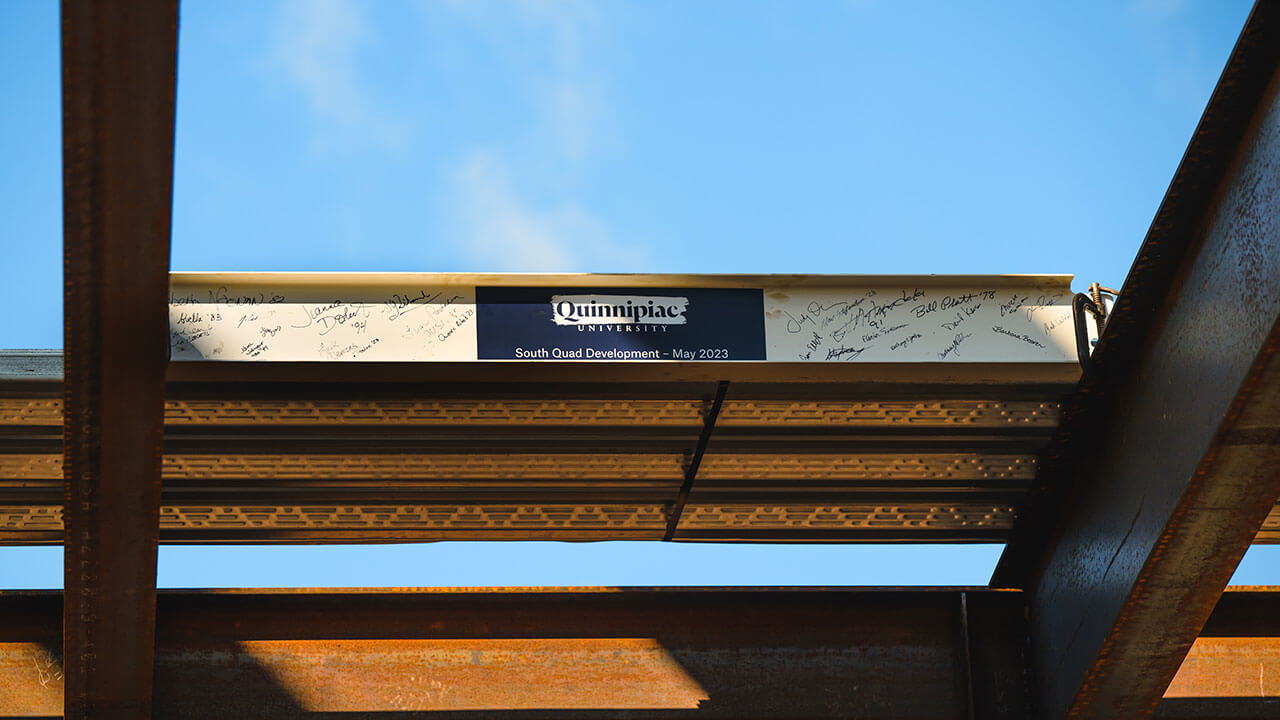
292	317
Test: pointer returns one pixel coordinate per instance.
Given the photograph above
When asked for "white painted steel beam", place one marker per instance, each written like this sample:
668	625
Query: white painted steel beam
300	317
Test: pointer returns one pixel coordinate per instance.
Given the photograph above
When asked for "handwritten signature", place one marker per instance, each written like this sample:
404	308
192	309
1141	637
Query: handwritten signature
1017	336
397	305
954	347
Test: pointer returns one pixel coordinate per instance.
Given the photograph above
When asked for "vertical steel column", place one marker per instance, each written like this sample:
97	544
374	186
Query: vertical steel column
118	83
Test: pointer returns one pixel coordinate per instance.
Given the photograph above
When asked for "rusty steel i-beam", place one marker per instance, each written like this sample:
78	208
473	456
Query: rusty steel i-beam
618	653
576	653
118	85
1164	466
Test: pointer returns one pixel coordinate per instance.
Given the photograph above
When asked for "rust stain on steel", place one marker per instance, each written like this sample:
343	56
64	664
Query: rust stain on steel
471	674
31	680
1229	667
599	674
1237	654
608	652
710	653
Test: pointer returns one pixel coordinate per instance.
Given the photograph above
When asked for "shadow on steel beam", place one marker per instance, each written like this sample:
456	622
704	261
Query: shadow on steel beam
1233	669
1233	708
607	653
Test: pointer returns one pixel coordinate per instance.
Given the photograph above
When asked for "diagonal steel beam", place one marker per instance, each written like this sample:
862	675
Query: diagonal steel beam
1165	465
118	83
695	460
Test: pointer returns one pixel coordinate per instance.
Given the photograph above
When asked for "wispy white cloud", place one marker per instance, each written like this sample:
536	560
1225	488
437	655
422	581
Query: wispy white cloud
1157	8
507	232
556	56
572	90
555	50
317	46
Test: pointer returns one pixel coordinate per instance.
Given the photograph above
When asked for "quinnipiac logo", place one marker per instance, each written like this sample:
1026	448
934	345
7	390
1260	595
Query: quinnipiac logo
625	313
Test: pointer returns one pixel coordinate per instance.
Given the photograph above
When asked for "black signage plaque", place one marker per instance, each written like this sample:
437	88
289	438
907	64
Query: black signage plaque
619	324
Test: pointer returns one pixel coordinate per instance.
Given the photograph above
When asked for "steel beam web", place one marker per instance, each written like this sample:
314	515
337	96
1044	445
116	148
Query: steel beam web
658	653
118	85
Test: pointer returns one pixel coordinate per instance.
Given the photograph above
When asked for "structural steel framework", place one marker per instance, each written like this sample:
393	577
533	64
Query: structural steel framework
1126	496
265	447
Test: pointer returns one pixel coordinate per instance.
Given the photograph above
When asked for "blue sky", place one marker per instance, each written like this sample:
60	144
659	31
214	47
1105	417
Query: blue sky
851	136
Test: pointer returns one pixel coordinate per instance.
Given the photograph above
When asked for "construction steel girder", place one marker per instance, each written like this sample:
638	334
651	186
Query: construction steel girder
594	653
118	82
1233	669
1165	463
1132	567
610	652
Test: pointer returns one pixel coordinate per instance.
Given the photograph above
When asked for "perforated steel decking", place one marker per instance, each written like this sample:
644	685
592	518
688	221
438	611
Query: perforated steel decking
367	460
